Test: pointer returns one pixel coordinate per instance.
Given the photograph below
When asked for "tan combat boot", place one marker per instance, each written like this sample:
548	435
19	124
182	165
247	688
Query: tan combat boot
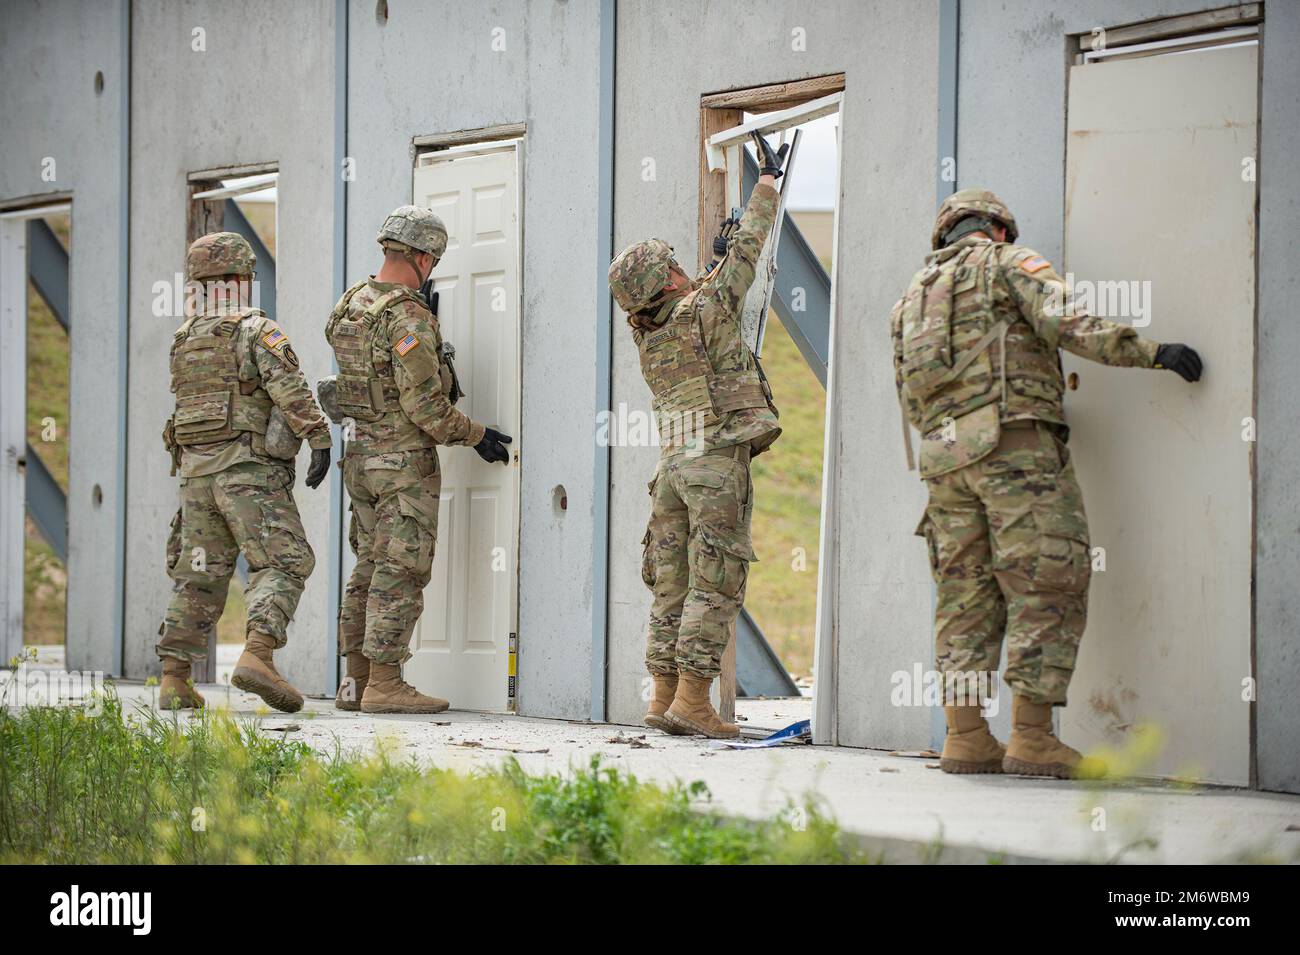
388	693
1033	750
354	684
177	692
665	690
969	747
255	673
691	713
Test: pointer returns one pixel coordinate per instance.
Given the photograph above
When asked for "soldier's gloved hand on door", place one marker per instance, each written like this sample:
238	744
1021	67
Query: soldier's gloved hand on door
492	448
770	161
429	295
319	467
1180	358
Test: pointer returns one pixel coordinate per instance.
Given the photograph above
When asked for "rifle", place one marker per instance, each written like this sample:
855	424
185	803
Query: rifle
447	352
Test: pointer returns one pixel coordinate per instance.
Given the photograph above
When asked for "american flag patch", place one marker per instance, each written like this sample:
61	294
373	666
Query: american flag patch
406	344
1035	263
275	339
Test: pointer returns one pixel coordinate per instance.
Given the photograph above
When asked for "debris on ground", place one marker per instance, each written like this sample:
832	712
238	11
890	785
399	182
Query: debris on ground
800	732
478	744
636	742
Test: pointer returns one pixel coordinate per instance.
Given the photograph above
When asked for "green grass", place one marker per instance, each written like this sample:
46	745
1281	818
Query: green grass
234	619
142	788
787	506
45	591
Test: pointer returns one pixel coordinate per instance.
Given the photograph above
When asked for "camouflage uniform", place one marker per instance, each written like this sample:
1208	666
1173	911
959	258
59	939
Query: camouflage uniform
714	411
977	366
232	371
394	386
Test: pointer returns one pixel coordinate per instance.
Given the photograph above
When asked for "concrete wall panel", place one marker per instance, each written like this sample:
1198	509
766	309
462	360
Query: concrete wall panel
887	195
49	55
433	69
261	92
1277	460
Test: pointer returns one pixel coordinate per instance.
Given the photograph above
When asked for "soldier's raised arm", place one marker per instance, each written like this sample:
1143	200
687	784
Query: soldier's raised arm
730	281
1050	308
414	341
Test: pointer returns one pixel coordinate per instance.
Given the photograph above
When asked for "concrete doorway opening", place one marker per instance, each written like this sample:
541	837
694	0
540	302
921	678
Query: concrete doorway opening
771	669
242	199
466	642
35	349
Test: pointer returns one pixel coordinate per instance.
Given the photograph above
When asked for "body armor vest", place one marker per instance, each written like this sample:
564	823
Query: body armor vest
965	344
367	392
675	363
212	403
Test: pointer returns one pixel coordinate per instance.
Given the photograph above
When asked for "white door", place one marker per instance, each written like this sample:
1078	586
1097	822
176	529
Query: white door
1155	193
462	646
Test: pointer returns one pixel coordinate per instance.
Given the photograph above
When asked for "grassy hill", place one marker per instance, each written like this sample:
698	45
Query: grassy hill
45	581
787	489
787	507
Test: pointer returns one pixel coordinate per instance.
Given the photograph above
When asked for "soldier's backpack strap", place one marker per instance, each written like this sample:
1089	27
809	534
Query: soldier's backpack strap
384	394
341	307
907	438
389	299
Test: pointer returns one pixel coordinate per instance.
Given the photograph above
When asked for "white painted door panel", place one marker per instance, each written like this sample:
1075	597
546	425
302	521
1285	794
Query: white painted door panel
461	644
1155	192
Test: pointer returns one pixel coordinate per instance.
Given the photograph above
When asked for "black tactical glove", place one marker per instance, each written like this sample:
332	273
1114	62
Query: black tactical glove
492	448
722	241
1180	358
429	295
319	467
769	160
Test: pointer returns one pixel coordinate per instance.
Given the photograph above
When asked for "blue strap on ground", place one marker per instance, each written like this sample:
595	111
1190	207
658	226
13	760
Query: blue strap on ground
800	732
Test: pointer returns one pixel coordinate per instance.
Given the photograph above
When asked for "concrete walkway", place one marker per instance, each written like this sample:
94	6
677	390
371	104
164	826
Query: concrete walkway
904	808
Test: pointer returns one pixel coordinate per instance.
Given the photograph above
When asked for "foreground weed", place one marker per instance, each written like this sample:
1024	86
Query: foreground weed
143	787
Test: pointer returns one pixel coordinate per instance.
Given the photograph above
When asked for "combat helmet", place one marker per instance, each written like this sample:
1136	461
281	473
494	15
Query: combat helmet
638	273
219	253
411	227
966	203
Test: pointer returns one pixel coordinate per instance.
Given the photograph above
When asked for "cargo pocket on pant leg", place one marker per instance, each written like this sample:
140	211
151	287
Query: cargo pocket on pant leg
1062	565
721	564
412	542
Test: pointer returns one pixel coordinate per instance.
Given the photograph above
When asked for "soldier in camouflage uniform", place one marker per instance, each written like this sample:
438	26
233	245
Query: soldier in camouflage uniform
395	392
714	412
977	366
242	409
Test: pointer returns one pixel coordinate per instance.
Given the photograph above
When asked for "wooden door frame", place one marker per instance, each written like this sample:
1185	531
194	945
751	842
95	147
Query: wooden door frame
719	111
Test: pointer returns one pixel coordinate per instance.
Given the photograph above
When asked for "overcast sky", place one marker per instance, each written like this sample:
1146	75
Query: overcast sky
813	185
